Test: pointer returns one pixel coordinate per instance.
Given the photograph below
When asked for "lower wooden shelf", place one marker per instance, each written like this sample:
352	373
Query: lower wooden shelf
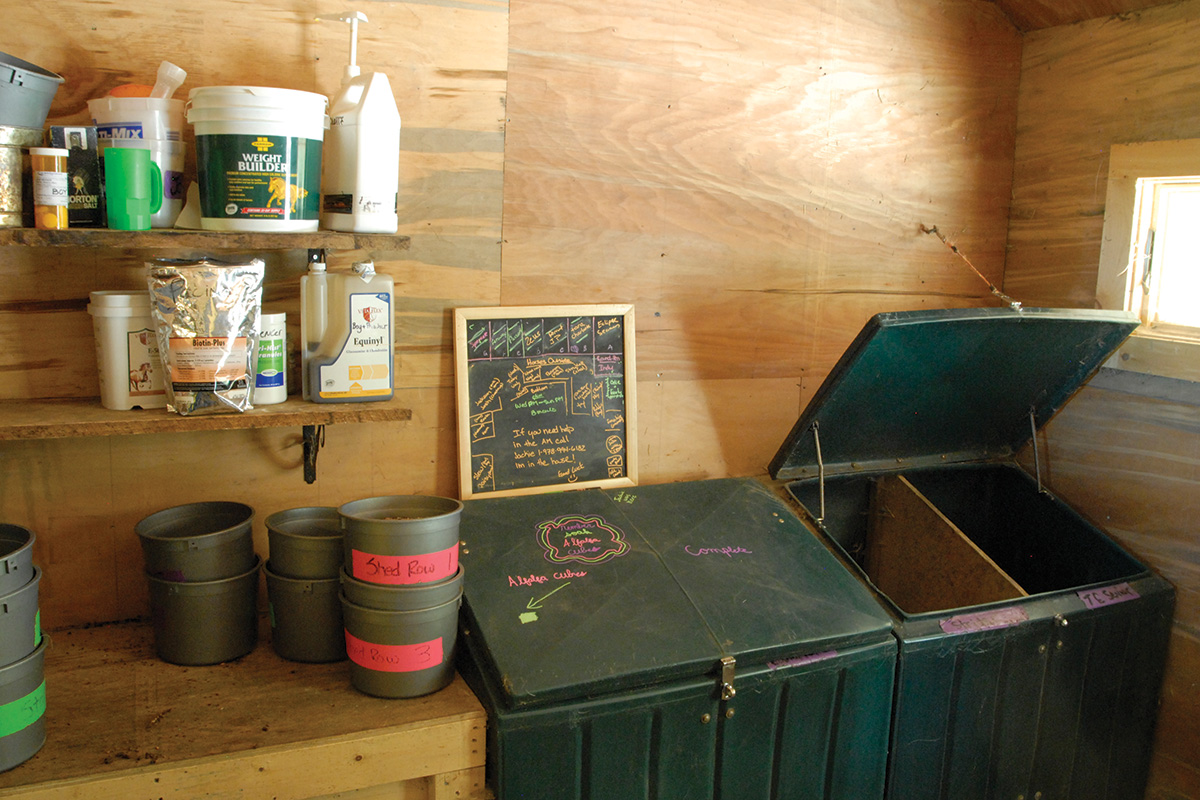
121	723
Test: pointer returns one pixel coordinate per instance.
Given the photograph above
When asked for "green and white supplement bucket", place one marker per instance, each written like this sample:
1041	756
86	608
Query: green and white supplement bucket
258	157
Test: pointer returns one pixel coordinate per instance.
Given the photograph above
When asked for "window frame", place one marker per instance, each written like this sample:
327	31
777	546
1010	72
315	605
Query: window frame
1146	351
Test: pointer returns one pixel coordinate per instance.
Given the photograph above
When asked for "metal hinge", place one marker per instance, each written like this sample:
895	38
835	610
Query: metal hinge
727	690
820	471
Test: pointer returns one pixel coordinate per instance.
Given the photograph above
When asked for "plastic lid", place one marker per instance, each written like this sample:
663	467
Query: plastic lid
119	297
47	151
130	90
272	319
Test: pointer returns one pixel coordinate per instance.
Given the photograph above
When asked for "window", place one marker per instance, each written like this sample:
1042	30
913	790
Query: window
1150	254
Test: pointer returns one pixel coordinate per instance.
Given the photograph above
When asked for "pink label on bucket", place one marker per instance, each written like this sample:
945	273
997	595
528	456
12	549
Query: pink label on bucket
424	568
394	657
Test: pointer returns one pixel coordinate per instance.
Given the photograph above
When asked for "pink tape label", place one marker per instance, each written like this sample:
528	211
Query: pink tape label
800	661
985	620
1108	595
425	568
394	657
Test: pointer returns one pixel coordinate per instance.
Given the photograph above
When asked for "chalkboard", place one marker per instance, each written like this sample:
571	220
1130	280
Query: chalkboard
545	398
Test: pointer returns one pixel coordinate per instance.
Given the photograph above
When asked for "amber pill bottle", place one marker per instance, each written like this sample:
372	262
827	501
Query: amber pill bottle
49	167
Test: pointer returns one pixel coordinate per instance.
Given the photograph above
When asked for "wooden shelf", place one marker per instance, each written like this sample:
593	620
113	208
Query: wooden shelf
212	240
120	723
55	419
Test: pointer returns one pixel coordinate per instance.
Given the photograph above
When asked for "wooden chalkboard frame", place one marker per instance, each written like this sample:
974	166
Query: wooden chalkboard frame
624	409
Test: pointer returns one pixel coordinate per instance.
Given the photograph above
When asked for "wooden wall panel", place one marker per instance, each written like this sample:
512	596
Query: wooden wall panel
1132	464
753	177
1030	15
1084	88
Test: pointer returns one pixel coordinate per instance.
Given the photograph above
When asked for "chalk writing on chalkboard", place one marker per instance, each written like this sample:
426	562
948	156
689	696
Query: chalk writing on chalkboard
544	398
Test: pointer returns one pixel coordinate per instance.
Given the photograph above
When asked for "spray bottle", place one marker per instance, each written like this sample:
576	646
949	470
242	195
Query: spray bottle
348	349
361	153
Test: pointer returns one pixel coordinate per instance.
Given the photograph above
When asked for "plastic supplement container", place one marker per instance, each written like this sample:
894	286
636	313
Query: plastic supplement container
137	118
270	360
258	157
131	371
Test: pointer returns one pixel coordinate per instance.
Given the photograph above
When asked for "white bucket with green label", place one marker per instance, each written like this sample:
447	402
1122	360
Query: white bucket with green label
258	157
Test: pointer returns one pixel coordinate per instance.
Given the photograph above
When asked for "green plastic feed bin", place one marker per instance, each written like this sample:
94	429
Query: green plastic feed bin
675	642
1031	646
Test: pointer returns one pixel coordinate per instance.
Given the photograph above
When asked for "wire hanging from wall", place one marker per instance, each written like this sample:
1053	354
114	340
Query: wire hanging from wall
1014	304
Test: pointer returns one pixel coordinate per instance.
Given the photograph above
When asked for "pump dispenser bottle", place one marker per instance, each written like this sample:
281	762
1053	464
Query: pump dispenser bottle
348	349
361	152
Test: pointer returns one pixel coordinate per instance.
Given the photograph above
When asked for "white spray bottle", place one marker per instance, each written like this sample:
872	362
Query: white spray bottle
361	154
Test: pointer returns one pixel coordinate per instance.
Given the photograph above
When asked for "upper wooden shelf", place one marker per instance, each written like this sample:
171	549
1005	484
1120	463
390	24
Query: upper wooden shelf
215	240
54	419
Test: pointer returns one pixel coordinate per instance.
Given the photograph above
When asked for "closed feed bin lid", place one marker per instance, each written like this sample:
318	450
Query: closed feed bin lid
573	594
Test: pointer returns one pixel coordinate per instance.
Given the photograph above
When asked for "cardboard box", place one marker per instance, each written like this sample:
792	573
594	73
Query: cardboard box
85	207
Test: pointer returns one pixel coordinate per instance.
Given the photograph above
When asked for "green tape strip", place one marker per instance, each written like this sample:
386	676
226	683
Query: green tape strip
19	714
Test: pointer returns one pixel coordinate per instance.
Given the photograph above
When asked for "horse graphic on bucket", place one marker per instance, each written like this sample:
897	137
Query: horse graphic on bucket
282	191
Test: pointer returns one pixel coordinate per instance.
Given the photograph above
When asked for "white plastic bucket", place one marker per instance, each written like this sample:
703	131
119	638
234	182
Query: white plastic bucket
137	118
168	155
258	157
127	358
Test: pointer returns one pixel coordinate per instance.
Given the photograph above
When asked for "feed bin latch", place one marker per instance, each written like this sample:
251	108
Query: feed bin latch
727	665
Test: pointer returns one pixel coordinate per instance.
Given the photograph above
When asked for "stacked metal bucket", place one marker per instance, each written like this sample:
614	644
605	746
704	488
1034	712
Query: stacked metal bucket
376	581
203	580
303	582
22	650
401	591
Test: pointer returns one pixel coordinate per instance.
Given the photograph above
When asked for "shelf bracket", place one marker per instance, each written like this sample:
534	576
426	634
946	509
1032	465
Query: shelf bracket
314	440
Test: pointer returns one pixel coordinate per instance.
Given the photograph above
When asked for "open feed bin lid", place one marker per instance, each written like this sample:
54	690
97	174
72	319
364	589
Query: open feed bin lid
926	388
573	594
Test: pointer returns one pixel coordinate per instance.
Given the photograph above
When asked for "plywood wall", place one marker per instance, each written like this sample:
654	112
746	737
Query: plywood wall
1131	463
1084	88
1129	460
752	176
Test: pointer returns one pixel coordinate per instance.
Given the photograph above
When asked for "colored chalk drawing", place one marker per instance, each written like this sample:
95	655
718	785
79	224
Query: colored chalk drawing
576	537
545	397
